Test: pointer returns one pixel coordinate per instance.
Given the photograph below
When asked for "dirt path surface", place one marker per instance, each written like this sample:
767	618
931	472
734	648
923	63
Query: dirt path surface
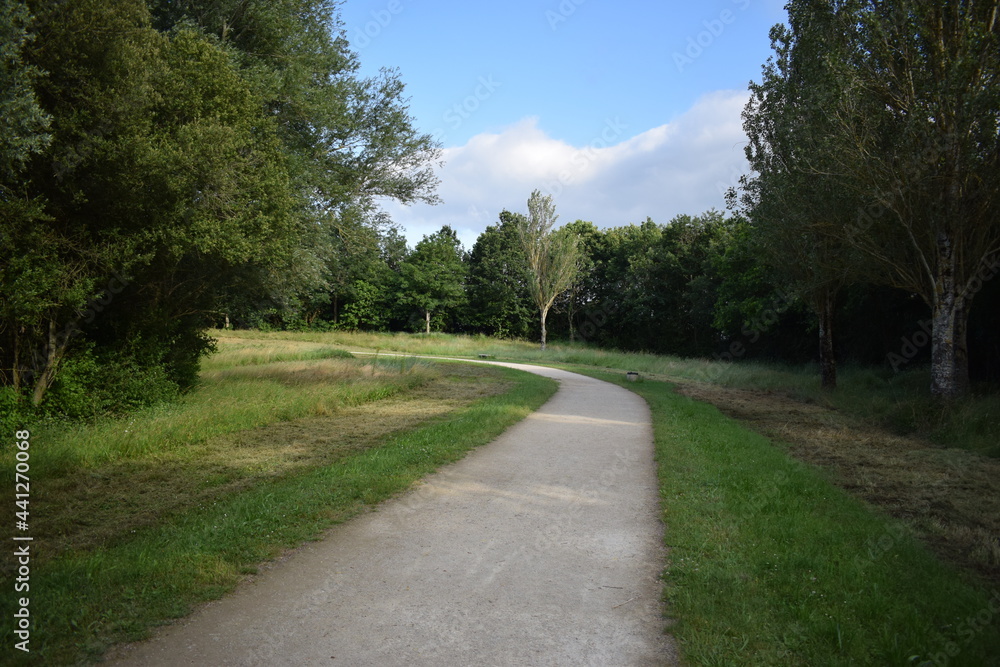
542	548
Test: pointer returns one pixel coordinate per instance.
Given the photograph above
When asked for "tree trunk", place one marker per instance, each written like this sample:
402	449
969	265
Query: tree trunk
570	310
54	351
949	355
544	313
827	360
427	317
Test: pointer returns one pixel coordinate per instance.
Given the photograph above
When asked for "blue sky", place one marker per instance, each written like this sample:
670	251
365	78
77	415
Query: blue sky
619	110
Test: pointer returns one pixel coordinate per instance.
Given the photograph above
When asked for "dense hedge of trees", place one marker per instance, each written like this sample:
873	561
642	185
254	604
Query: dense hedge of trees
168	166
166	162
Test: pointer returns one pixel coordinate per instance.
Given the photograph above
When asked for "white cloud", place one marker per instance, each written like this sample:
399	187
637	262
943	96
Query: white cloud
682	167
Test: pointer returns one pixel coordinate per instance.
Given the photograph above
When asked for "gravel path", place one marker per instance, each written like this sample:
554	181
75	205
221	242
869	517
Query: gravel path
542	548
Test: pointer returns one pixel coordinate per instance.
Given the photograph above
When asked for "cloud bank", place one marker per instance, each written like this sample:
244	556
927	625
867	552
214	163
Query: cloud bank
684	166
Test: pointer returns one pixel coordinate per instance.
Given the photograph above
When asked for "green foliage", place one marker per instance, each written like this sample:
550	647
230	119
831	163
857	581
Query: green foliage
499	301
553	256
90	385
15	411
200	157
367	310
434	275
874	132
23	123
654	287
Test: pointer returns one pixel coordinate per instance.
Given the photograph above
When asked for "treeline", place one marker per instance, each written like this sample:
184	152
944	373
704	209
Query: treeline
165	161
695	286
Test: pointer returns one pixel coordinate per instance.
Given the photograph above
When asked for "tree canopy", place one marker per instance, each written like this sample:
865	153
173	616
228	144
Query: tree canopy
165	162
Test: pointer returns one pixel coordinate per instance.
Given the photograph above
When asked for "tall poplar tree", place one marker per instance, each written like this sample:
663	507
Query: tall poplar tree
552	256
793	202
877	128
917	135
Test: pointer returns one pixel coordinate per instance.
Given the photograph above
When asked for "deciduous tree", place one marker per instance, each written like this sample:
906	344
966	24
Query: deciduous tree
552	256
434	274
917	136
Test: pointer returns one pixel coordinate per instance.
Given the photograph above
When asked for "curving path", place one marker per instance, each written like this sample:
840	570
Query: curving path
541	548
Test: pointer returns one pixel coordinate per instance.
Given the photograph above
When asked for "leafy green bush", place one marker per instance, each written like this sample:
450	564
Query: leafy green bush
91	384
15	410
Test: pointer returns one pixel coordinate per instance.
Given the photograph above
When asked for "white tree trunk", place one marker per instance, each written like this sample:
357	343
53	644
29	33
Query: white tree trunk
949	354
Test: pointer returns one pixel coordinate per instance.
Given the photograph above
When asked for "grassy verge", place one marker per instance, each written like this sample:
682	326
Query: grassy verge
770	564
898	401
150	531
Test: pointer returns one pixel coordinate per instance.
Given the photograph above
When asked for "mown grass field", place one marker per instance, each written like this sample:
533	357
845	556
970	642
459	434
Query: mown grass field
774	557
899	402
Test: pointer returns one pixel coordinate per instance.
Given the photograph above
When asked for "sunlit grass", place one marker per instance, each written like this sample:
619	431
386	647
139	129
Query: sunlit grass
770	564
140	518
226	400
898	401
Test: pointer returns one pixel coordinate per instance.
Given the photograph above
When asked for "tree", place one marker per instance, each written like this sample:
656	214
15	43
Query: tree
917	137
792	201
23	123
578	296
434	274
198	154
499	301
202	153
551	256
349	140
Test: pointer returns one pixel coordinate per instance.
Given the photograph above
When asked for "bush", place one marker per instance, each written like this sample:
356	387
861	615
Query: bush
91	384
15	411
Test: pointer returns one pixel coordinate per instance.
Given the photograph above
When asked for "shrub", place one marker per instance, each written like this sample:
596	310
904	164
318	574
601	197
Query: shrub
15	411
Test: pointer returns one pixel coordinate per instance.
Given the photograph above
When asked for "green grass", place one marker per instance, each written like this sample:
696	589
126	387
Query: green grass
227	401
246	384
86	599
770	564
898	401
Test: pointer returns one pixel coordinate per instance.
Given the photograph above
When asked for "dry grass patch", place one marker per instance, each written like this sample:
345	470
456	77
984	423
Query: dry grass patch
950	498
